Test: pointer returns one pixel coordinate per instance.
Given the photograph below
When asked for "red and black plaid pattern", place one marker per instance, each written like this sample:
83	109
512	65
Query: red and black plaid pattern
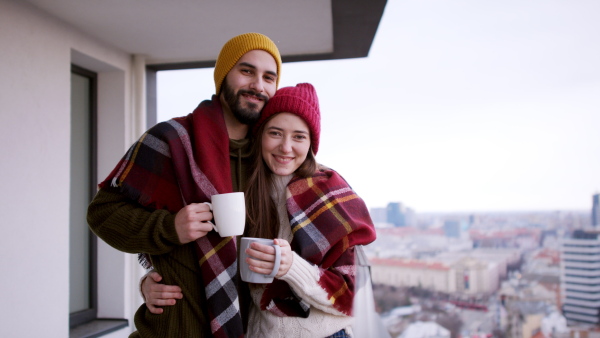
328	219
182	161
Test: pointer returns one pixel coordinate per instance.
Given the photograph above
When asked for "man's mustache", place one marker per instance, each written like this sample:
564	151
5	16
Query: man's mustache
253	93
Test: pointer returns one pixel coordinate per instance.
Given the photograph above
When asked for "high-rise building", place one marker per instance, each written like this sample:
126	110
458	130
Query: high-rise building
452	228
395	214
400	216
596	210
580	277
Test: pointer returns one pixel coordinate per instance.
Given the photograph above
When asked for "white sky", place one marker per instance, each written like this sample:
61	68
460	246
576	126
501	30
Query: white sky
473	105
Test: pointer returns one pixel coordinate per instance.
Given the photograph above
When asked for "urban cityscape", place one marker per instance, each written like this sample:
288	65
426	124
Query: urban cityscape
496	274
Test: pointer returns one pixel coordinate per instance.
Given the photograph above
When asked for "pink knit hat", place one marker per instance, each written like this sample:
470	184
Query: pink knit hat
300	100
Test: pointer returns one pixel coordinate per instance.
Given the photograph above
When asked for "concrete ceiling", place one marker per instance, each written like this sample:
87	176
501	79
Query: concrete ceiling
176	34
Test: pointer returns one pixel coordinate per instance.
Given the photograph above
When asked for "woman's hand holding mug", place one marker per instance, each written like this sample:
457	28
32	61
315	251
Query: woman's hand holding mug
263	259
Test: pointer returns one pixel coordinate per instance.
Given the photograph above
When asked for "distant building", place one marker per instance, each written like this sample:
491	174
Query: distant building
413	242
452	229
502	258
506	238
421	329
528	307
525	317
473	219
467	275
412	272
580	277
400	216
596	210
554	324
395	214
476	276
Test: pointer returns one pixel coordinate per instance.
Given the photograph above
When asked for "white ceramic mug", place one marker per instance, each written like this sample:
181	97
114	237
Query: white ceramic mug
229	212
251	276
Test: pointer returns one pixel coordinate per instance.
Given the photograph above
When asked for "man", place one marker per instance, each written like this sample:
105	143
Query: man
151	202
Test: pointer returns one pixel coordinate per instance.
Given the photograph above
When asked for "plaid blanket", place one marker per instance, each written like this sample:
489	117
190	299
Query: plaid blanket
182	161
328	219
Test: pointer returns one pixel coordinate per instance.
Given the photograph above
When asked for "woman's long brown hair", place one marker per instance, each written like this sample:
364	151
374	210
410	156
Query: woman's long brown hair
261	212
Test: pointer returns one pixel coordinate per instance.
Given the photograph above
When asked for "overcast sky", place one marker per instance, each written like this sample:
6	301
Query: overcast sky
478	105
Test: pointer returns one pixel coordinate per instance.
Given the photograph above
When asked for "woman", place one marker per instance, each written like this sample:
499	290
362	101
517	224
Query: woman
314	216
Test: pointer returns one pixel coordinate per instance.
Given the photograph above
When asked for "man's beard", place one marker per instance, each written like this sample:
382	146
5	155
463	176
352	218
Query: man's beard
246	115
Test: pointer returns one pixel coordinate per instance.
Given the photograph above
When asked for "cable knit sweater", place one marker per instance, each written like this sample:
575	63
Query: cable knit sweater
324	320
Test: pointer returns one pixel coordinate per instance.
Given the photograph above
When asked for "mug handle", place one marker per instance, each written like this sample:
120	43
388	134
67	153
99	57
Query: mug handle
213	224
277	261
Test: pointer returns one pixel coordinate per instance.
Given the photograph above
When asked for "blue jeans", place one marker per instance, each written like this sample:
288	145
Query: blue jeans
340	334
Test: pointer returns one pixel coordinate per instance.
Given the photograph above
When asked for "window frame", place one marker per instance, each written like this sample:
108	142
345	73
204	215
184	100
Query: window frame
90	314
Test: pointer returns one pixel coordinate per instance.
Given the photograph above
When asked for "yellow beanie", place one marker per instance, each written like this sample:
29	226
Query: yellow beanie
235	48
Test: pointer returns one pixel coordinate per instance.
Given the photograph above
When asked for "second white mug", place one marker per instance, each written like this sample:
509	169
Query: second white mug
229	212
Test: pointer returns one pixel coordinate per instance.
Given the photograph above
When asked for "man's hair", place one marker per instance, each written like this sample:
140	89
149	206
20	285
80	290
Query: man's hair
236	47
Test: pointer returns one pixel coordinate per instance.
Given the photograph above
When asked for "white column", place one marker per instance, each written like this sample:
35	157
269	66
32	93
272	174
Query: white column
138	90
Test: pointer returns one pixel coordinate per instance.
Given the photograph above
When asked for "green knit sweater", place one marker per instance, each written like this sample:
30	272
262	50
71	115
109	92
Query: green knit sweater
128	227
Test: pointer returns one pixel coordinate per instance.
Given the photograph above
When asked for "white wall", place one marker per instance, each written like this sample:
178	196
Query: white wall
35	58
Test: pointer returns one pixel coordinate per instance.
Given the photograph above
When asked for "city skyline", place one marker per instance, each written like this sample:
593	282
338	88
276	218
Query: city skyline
460	106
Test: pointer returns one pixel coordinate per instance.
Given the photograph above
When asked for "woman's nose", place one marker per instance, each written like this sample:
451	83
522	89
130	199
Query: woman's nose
286	145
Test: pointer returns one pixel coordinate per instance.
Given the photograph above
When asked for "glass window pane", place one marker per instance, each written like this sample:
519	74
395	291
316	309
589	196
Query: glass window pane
79	194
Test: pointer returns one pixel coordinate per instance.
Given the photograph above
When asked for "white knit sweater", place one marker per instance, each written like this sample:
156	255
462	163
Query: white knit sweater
324	320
